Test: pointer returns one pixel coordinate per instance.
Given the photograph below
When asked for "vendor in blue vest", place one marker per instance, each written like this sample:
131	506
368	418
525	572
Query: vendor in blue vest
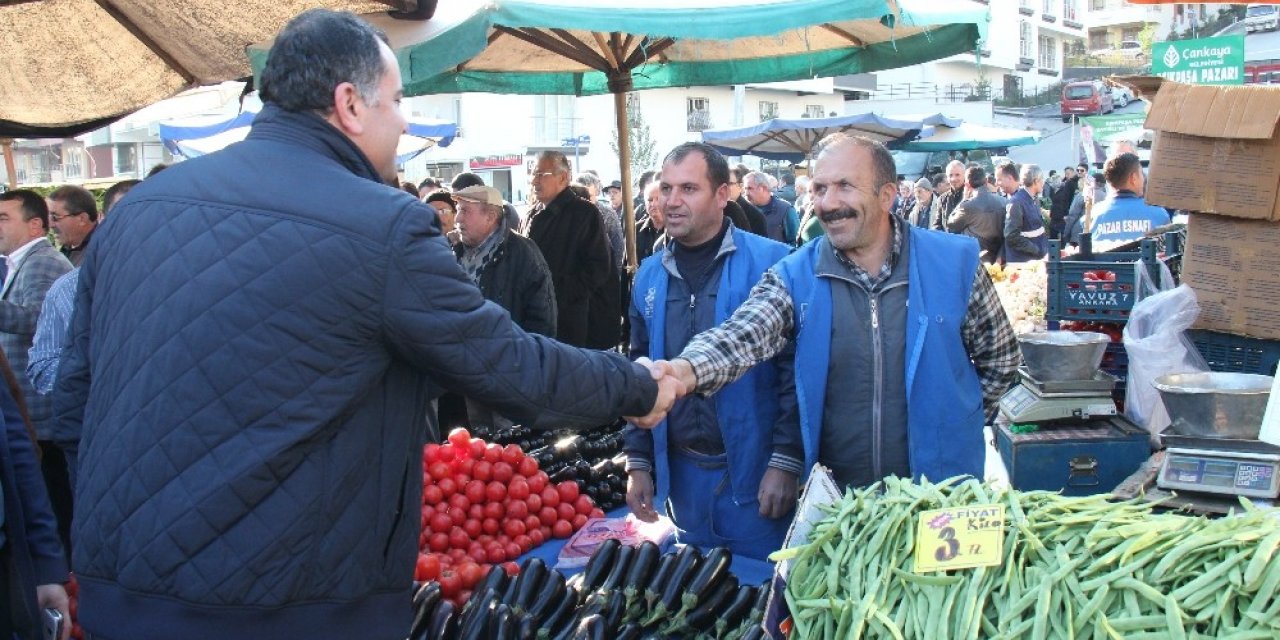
902	347
725	469
1124	217
1024	231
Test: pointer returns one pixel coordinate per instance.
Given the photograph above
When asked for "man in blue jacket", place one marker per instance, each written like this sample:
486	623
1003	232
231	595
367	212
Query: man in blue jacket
902	347
726	469
1124	217
257	337
782	223
32	564
1025	236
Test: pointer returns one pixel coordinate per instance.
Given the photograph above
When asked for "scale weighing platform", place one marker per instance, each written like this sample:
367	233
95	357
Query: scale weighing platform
1037	401
1224	466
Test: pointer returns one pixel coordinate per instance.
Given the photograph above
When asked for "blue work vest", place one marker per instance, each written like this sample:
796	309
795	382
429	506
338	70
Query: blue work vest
746	409
944	420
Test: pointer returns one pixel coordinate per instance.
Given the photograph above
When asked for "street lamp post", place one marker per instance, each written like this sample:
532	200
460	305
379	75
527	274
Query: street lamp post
577	144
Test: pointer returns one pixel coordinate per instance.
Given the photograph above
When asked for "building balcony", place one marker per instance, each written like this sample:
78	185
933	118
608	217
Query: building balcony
1126	14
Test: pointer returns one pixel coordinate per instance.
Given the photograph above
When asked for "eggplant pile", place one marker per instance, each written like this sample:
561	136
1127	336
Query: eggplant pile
624	593
592	459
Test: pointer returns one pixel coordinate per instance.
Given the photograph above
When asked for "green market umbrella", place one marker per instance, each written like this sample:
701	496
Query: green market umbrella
581	47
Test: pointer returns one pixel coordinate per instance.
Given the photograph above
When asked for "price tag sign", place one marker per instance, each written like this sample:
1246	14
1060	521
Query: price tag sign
960	538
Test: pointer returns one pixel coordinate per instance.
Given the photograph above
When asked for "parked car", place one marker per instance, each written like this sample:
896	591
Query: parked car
1121	96
1086	98
1261	17
914	165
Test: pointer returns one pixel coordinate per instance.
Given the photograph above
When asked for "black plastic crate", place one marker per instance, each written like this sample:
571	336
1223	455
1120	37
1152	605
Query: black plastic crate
1239	354
1101	288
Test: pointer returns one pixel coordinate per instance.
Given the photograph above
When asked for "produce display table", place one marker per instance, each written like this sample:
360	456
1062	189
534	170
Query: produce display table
747	570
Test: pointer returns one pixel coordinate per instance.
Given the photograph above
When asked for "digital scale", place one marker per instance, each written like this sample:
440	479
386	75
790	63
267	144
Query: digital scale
1249	468
1044	401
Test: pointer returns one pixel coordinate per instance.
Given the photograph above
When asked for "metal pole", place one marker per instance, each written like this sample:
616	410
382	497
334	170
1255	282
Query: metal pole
624	159
9	167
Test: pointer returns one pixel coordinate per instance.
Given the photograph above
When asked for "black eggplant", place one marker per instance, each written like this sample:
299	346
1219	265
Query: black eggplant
629	631
561	613
532	574
642	568
754	633
704	617
653	589
475	623
526	629
548	597
737	609
614	607
714	568
425	602
591	628
444	623
502	624
621	562
496	580
427	589
687	561
599	565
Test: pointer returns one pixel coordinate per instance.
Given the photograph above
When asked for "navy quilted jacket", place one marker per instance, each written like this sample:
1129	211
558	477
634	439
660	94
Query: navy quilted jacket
257	336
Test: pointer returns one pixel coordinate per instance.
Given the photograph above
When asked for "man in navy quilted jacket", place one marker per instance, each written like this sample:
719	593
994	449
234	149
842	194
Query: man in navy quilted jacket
257	337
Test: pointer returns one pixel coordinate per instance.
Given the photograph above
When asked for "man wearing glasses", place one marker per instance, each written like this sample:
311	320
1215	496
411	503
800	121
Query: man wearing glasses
755	219
73	214
878	310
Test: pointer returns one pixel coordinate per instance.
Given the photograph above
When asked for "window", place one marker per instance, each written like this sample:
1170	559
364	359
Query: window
768	110
1024	39
1097	40
1069	10
1048	53
1047	8
126	158
72	162
813	111
699	114
1097	5
1129	33
553	119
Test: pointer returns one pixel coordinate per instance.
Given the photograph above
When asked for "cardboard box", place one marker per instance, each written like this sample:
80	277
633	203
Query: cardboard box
1216	150
1234	267
820	489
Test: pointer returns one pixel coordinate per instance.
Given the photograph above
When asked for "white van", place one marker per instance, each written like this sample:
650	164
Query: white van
1261	17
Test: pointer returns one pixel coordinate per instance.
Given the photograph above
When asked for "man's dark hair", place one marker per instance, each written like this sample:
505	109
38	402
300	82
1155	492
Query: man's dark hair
466	179
77	200
441	196
1053	172
580	191
115	192
316	52
428	184
645	179
937	180
975	176
1082	166
789	178
1118	169
1007	168
717	166
32	204
881	159
156	168
740	171
409	188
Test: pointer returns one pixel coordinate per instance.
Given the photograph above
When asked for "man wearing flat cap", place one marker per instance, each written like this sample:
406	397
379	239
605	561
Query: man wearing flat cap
926	208
508	268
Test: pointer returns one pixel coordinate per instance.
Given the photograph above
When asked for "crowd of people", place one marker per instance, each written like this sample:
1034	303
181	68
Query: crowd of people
232	365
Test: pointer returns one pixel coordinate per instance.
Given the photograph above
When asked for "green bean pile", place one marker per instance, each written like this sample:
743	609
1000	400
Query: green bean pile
1073	568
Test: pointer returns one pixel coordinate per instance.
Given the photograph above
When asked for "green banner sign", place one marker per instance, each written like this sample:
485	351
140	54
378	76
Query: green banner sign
1104	127
1203	61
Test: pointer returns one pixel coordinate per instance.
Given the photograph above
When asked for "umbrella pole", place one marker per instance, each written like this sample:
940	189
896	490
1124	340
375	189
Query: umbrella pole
624	158
9	168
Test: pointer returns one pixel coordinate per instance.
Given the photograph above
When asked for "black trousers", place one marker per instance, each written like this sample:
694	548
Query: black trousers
53	466
6	599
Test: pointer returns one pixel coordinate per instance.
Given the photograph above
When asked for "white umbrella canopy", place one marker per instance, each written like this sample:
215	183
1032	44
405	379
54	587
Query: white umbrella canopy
74	65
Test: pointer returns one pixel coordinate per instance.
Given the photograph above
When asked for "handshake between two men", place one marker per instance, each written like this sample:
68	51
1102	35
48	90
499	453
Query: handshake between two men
675	380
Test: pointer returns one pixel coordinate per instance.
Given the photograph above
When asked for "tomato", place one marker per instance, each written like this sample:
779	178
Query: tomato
546	532
568	491
494	510
490	526
458	539
548	516
536	536
450	583
518	489
457	516
460	501
438	471
534	501
475	512
538	481
482	471
596	513
513	550
457	555
428	567
562	529
446	453
583	505
460	438
516	509
432	495
441	522
477	553
525	543
513	528
471	574
493	453
449	487
550	496
527	467
465	466
438	542
496	555
511	568
564	511
475	491
430	453
477	449
463	598
531	522
495	491
503	472
472	527
579	521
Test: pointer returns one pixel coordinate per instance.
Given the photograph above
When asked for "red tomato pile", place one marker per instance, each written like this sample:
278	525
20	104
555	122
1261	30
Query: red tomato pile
1114	330
483	505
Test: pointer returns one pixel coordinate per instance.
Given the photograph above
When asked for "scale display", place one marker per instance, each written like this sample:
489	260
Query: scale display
1225	472
1022	404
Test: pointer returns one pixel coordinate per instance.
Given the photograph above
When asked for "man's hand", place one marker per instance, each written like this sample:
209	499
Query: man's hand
778	491
677	368
54	596
640	495
670	389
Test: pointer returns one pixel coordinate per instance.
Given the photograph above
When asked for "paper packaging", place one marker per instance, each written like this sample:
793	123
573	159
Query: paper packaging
820	489
1232	265
1216	150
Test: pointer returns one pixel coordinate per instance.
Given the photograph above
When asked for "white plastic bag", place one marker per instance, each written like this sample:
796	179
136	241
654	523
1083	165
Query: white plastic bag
1157	344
